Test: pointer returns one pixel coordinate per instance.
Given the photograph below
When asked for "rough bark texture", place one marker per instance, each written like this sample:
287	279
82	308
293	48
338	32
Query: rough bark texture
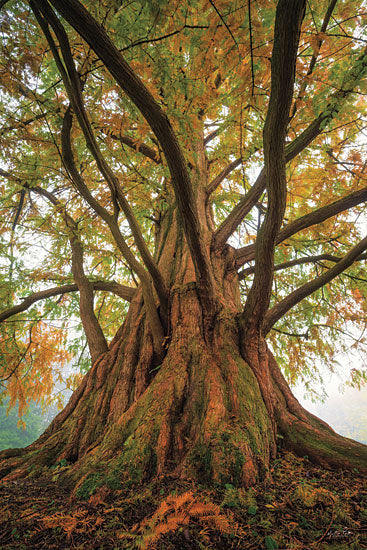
210	402
210	410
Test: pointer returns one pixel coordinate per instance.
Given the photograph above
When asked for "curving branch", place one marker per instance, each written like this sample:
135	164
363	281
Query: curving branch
68	159
96	341
125	292
212	136
240	211
134	144
92	32
222	176
93	331
73	86
334	105
280	309
247	253
77	180
299	261
288	20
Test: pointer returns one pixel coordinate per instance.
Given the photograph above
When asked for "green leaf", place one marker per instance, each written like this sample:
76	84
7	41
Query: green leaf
270	543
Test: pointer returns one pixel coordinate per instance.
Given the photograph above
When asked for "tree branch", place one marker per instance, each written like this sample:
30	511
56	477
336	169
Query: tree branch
335	103
79	18
288	20
280	309
300	261
315	55
240	211
211	136
222	176
72	84
68	158
93	331
136	146
124	292
22	123
247	253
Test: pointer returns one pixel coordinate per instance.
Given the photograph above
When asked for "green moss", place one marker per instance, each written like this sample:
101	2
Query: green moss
200	460
113	482
89	485
232	461
142	466
135	464
239	498
303	438
252	436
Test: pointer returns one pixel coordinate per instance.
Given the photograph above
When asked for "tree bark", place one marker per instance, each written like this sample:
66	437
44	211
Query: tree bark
208	410
198	395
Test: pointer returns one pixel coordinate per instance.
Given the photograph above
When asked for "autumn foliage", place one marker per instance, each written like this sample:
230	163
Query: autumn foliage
182	192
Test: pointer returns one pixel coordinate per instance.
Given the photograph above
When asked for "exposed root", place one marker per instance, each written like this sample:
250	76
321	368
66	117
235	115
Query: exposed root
307	435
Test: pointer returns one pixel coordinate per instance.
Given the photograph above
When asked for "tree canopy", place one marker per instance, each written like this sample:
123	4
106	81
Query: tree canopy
112	111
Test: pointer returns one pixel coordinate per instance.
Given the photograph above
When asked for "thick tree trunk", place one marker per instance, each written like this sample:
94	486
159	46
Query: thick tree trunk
212	409
201	413
198	413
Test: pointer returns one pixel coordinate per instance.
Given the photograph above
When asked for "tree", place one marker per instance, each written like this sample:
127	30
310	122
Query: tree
154	149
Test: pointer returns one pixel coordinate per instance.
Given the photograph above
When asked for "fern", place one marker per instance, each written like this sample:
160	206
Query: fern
310	495
77	522
176	511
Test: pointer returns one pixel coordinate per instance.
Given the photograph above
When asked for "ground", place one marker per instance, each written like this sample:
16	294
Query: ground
302	507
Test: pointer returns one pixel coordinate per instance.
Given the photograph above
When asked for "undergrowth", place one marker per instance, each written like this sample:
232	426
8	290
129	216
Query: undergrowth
302	507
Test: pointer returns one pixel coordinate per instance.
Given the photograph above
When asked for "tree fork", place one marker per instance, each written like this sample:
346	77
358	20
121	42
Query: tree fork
202	414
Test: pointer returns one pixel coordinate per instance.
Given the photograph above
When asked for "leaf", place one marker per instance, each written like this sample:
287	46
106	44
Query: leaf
270	543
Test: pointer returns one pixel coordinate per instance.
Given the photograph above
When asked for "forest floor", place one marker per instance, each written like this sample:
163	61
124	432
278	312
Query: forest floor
301	507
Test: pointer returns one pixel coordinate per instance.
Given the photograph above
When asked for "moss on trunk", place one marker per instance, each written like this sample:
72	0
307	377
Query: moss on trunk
209	410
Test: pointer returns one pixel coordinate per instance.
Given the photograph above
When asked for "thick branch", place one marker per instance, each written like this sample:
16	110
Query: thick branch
240	211
289	16
211	136
124	292
280	309
315	55
222	176
72	84
247	253
93	331
68	158
335	103
78	17
136	146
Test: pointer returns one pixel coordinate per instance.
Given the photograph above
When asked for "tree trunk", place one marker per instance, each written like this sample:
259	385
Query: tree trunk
212	409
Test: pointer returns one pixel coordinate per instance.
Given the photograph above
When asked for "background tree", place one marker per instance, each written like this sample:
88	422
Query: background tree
203	163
